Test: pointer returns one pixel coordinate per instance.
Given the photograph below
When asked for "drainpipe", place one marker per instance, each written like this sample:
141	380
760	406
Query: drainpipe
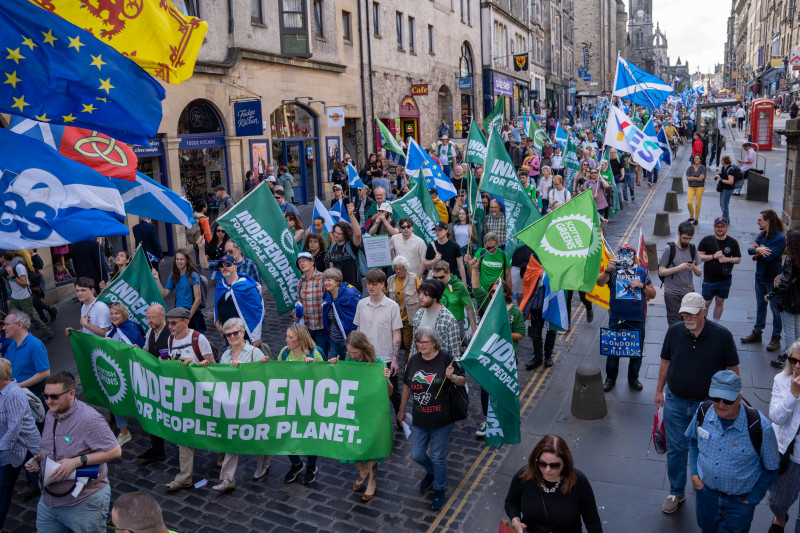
363	95
371	94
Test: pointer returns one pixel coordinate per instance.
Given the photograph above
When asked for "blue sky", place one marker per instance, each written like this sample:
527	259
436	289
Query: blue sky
696	30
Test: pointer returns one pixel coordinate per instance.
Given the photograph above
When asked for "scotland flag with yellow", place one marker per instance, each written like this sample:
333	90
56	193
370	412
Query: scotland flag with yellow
53	71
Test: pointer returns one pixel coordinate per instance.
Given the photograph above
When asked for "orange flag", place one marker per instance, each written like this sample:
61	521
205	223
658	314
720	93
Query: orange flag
601	295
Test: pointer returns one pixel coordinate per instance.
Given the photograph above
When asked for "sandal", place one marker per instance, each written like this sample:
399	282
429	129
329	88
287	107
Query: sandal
220	459
367	496
359	484
172	486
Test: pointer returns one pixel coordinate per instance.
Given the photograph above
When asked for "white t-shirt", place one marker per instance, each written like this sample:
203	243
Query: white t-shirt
19	292
98	315
377	323
182	348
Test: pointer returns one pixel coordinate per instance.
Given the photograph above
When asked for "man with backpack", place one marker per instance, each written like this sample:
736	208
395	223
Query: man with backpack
21	295
675	268
693	351
729	478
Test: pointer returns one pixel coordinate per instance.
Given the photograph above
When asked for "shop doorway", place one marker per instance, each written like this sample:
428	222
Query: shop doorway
295	144
409	118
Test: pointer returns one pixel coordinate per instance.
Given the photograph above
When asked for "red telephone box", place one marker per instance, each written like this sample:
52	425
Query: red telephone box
762	114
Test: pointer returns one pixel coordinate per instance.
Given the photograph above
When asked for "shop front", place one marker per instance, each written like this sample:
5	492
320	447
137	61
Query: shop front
409	118
295	144
497	86
152	164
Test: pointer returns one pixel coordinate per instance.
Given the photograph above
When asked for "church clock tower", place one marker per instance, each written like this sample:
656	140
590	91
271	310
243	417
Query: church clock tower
640	29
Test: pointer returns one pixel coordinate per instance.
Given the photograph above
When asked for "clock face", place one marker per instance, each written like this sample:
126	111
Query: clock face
640	14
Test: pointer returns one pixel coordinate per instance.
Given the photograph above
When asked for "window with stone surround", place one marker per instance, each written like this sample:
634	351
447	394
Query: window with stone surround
376	19
294	28
319	18
398	19
347	28
412	36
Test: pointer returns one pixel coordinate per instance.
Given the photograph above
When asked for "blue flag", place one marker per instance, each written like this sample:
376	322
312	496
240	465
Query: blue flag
419	160
554	309
353	177
147	198
337	211
320	211
561	136
49	200
638	86
56	72
666	157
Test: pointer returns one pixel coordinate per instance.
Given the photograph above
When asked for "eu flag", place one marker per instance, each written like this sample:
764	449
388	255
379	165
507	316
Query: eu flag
53	71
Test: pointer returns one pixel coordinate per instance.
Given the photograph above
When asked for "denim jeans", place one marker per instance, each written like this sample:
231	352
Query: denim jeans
321	340
8	477
762	288
337	349
634	363
629	184
724	514
89	516
436	462
724	201
791	329
678	414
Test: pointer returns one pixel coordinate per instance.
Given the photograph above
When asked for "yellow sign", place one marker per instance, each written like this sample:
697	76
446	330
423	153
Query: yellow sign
153	33
777	62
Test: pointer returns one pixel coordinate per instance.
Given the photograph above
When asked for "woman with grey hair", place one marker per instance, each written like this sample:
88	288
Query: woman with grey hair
403	288
239	351
430	374
784	411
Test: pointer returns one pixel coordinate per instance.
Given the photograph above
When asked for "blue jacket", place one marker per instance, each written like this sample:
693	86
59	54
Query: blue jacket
769	267
146	234
344	308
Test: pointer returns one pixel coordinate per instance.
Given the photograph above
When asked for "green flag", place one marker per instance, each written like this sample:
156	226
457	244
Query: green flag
134	288
607	175
389	142
495	118
571	155
274	408
537	134
500	179
476	145
474	204
491	361
418	206
568	243
256	224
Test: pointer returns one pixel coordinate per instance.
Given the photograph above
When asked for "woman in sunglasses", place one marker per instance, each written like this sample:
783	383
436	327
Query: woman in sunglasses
784	411
216	249
549	494
239	351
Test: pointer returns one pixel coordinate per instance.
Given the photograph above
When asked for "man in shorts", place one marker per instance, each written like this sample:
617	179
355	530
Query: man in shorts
719	253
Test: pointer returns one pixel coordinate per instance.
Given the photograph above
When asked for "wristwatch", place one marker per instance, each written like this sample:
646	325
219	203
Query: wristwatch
84	460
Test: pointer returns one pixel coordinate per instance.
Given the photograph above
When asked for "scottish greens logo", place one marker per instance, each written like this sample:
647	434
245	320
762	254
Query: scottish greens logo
109	376
573	235
287	241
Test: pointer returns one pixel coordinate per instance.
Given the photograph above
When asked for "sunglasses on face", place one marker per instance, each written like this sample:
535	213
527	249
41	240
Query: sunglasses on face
232	334
723	400
174	322
55	397
405	227
793	361
223	264
220	231
545	464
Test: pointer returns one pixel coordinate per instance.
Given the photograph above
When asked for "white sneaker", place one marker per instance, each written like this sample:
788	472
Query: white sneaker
261	472
123	438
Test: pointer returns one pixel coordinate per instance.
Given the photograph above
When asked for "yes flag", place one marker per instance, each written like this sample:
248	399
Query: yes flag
638	86
49	200
623	135
476	145
257	225
568	243
418	206
57	72
320	211
419	162
134	288
389	142
537	134
491	361
353	178
147	198
155	34
495	118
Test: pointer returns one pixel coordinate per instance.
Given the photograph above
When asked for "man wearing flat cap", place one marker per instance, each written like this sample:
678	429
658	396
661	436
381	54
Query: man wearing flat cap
733	457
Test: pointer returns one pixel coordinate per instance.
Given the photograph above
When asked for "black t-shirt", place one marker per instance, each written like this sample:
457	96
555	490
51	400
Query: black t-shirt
458	183
725	174
695	360
227	309
342	259
450	251
616	166
424	379
714	271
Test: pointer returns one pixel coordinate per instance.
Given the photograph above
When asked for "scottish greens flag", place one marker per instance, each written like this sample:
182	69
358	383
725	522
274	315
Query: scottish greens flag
418	206
495	118
537	134
476	145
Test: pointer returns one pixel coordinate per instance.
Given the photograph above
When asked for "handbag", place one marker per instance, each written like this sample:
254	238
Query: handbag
459	402
659	432
785	458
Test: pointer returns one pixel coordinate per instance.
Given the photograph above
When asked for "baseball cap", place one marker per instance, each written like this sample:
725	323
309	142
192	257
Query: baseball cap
227	259
726	385
179	312
440	225
720	220
337	186
303	255
692	303
385	206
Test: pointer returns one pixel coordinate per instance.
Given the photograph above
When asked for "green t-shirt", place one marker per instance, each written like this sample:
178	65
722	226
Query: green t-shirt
492	266
456	297
517	324
288	355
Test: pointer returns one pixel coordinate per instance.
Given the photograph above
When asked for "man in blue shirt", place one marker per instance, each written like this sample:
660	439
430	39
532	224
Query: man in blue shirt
27	354
728	473
630	288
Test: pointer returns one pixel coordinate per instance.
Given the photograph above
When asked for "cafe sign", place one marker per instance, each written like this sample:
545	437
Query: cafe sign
419	89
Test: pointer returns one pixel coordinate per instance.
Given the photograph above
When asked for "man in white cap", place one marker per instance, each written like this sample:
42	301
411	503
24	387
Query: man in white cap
733	457
693	351
383	224
446	153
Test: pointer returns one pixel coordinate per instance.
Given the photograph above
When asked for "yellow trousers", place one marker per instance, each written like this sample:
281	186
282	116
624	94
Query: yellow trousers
694	195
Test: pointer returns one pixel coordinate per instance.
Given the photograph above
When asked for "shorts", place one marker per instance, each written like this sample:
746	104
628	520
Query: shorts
716	288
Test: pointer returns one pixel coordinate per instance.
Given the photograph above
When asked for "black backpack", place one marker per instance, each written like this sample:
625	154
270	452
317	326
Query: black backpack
753	422
672	251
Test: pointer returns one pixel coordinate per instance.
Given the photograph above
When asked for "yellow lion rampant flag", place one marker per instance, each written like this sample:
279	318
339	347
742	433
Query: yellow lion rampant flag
601	295
153	33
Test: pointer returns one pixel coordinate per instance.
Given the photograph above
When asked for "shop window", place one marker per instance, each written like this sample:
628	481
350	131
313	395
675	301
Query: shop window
199	117
294	28
202	164
292	122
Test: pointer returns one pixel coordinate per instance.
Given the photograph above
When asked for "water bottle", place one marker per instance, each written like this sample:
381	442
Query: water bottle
298	310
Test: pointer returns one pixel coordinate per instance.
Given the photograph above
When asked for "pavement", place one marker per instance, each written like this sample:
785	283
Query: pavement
628	477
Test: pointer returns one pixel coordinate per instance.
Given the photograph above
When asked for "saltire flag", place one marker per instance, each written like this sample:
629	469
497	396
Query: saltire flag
148	198
554	310
490	359
601	295
49	200
537	134
134	288
495	118
417	205
321	211
568	243
155	34
561	136
57	72
419	162
388	141
96	150
152	258
337	211
476	145
666	156
623	135
638	86
641	251
353	179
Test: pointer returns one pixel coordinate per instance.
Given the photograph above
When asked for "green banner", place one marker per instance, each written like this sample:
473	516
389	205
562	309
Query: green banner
495	119
614	206
538	135
571	155
418	206
275	408
476	145
134	288
491	360
389	142
568	243
257	225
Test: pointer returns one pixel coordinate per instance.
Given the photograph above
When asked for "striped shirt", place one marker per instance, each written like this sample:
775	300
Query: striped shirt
18	433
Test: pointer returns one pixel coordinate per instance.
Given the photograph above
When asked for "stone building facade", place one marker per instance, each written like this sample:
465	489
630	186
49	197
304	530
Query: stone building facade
595	46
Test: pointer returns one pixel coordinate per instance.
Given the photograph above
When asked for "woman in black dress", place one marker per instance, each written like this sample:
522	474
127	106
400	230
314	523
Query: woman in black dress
549	494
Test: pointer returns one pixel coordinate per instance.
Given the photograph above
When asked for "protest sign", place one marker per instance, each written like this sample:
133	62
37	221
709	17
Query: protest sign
377	251
620	343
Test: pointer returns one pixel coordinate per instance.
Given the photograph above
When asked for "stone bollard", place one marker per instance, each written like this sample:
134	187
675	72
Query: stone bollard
671	202
677	184
661	227
588	398
652	257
